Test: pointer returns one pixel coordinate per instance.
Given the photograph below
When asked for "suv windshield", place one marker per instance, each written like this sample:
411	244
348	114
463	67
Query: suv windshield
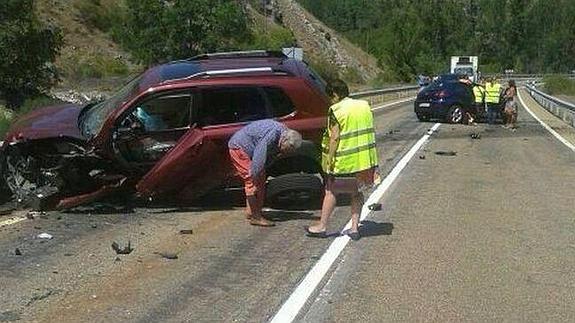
464	70
93	116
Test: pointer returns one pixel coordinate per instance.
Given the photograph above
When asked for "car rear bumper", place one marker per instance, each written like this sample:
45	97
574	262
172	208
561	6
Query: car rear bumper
431	109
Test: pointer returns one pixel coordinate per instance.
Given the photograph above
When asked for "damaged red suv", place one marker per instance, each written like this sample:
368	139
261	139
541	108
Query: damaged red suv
164	135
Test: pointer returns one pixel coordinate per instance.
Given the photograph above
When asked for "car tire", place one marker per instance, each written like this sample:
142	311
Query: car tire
296	191
456	114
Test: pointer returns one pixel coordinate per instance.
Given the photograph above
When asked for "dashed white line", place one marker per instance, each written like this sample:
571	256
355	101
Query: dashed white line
293	305
553	132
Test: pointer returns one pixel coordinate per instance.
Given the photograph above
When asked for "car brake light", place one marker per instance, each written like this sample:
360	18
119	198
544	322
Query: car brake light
441	94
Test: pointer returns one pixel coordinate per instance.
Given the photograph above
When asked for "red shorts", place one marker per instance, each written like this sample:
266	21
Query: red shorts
242	163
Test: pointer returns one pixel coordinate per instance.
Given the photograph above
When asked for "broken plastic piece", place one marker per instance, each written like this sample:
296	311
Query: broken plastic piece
375	207
45	235
122	251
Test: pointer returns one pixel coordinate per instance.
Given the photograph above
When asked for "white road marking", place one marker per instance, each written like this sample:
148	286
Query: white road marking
553	132
392	103
291	308
12	220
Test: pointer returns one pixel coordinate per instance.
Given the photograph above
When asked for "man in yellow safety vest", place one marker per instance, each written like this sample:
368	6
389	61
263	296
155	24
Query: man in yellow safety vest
492	95
479	101
349	156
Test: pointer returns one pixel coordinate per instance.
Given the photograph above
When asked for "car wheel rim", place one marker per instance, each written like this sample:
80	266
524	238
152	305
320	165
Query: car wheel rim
457	115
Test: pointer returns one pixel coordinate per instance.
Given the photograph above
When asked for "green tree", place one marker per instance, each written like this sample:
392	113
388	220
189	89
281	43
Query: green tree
155	30
27	51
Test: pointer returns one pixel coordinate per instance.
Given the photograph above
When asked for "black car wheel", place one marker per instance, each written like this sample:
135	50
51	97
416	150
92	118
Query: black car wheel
456	114
295	192
422	117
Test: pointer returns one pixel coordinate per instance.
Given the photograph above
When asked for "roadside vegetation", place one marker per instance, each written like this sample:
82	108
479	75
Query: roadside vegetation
559	85
412	37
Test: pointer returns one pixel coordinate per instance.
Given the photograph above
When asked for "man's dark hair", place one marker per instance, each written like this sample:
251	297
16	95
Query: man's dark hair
338	87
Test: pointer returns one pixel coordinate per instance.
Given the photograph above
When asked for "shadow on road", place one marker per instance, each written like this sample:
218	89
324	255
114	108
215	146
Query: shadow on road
282	216
370	228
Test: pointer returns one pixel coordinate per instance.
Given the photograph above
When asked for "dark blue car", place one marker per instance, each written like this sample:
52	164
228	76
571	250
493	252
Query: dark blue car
446	98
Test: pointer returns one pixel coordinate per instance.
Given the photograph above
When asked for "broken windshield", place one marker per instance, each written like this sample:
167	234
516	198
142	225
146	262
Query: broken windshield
93	116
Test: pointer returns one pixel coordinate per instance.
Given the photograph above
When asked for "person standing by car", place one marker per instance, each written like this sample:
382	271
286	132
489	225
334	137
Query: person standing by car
249	150
511	105
479	101
492	98
349	150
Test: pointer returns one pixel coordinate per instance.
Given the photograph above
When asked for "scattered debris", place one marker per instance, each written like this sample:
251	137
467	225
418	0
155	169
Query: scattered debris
94	226
17	252
421	156
122	251
68	254
186	231
475	136
167	255
375	207
9	316
45	235
117	259
7	211
446	153
39	297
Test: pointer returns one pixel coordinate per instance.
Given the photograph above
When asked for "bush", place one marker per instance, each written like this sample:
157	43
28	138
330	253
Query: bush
95	14
5	121
96	67
556	84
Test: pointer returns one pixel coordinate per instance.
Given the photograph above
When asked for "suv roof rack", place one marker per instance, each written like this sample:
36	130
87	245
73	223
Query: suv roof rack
229	72
239	54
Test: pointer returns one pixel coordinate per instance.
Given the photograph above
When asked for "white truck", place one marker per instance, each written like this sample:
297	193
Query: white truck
465	65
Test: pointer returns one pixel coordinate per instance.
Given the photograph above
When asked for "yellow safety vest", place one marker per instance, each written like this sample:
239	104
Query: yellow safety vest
492	92
479	94
356	149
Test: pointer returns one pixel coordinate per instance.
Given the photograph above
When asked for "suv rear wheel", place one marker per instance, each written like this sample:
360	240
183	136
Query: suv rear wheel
295	192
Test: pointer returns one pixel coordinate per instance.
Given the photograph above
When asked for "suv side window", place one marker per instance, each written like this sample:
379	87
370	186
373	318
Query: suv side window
280	103
164	112
232	105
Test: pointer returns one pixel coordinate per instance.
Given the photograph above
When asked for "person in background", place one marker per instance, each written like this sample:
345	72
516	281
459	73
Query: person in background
249	149
492	98
479	101
511	105
349	150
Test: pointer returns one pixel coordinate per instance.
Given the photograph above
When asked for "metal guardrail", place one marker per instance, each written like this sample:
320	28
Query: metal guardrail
379	96
560	108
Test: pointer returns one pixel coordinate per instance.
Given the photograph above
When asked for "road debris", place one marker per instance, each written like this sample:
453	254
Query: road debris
45	235
9	316
375	207
446	153
186	231
17	252
40	296
167	255
475	136
122	251
421	156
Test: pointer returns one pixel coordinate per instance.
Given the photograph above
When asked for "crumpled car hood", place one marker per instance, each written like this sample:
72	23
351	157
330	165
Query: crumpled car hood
48	122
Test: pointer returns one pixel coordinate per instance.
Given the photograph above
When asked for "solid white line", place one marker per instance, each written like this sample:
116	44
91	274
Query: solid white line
311	281
11	221
392	103
553	132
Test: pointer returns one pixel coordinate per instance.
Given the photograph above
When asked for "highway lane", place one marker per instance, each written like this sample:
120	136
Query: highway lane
486	235
225	271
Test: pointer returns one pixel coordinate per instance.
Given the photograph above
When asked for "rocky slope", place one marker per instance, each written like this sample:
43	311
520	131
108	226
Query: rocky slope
318	40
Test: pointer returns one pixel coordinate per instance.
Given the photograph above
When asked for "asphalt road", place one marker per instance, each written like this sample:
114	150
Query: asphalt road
483	235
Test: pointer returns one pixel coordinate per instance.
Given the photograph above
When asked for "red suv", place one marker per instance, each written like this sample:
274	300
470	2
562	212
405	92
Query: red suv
164	134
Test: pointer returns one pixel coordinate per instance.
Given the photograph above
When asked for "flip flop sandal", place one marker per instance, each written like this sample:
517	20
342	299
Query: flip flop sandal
311	234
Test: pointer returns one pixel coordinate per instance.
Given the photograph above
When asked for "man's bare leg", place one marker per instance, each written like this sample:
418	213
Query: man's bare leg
329	202
356	205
